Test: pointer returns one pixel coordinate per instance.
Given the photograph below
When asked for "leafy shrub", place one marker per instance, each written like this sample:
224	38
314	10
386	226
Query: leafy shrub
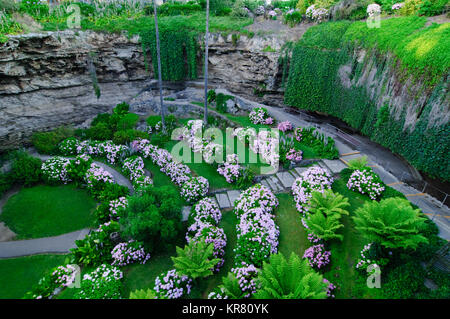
9	6
26	169
293	18
128	121
176	8
121	109
211	96
112	191
153	218
126	136
100	132
404	281
221	102
47	142
102	283
101	118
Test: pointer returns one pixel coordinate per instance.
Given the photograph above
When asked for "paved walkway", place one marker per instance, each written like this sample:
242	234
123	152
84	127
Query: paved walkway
384	163
56	244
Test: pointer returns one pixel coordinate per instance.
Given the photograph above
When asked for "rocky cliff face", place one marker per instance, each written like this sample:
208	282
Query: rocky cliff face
45	80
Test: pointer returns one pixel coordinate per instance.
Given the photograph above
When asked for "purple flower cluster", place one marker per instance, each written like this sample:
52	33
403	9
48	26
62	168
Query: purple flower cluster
318	14
246	276
116	205
128	253
231	170
313	179
294	155
207	211
97	175
100	277
298	134
55	169
134	167
178	173
257	232
171	285
69	146
259	115
64	276
365	182
107	149
194	189
267	145
285	126
317	256
398	6
373	9
364	261
313	238
210	234
330	288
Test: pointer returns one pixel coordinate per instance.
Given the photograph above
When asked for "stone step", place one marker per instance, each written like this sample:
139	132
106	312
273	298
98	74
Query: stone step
265	183
294	173
300	170
275	184
233	195
223	200
286	179
334	166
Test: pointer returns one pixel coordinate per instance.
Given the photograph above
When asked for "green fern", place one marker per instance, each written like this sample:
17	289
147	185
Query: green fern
195	260
290	279
143	294
392	223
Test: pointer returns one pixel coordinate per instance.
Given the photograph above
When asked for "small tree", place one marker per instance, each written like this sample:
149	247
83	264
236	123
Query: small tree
392	223
290	279
195	260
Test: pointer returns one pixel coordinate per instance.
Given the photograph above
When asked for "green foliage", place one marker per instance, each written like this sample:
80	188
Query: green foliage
359	163
230	287
25	168
112	191
178	49
153	218
128	121
176	8
211	96
289	279
121	109
314	83
221	102
100	132
126	136
293	19
392	223
433	7
5	183
95	249
195	260
143	294
47	142
101	118
325	211
404	281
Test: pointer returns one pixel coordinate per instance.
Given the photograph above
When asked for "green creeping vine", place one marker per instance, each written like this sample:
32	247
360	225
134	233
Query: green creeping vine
314	84
178	53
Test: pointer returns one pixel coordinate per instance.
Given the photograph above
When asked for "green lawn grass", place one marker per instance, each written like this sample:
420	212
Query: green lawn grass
44	210
19	275
138	276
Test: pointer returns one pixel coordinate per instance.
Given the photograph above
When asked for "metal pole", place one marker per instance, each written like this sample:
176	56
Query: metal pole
205	115
159	68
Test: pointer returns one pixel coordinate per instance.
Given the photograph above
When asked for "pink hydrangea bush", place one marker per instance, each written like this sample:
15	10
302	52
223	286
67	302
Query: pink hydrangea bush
210	234
317	256
246	275
178	172
102	283
298	134
373	9
257	233
267	144
116	205
124	254
64	276
231	169
69	146
330	288
194	189
55	170
97	176
294	156
366	182
133	167
171	285
259	115
285	126
207	211
313	179
316	14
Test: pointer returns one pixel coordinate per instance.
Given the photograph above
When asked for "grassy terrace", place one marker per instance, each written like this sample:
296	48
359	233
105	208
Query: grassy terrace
43	211
19	275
